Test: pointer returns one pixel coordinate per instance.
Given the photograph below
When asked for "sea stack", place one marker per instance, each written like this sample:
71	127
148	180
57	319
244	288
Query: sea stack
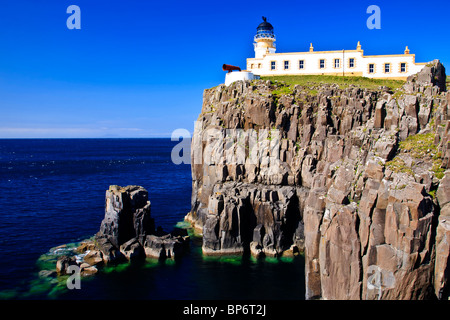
127	232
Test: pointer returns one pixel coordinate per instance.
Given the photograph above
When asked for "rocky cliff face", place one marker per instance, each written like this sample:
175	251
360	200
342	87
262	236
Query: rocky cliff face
355	178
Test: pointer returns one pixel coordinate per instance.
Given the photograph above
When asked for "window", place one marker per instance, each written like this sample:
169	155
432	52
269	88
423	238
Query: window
301	64
259	65
286	65
321	63
251	66
337	63
403	67
371	68
351	63
273	65
387	67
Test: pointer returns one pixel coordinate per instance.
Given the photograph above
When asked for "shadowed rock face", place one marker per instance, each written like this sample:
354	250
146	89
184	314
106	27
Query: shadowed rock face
127	214
330	172
128	230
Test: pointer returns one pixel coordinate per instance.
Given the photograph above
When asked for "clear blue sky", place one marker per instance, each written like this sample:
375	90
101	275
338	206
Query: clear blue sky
138	68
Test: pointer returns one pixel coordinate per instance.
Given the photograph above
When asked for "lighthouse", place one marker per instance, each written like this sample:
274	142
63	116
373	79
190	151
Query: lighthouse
264	39
348	62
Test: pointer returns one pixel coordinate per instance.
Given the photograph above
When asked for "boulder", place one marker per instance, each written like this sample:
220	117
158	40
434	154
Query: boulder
164	247
93	257
86	245
63	263
132	249
110	252
87	270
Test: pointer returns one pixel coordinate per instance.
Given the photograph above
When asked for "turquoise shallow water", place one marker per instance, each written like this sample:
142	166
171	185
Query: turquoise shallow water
53	193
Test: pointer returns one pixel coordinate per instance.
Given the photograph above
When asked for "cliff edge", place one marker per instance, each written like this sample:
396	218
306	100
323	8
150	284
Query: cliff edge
355	178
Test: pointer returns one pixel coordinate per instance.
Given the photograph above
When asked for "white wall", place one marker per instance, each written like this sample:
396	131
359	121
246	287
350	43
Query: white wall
231	77
394	61
261	48
311	64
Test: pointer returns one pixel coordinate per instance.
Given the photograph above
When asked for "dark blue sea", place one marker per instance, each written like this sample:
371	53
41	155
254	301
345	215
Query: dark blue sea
53	193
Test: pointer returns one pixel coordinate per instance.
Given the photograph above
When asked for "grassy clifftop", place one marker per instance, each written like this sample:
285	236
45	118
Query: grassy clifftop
343	82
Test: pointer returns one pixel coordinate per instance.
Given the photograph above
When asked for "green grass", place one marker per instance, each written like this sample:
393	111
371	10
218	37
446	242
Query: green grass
343	82
398	165
432	193
419	146
438	171
397	94
284	90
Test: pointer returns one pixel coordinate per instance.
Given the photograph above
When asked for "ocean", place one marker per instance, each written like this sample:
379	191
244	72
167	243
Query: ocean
53	193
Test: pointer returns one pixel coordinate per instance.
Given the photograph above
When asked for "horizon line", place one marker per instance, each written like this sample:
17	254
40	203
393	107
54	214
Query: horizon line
30	138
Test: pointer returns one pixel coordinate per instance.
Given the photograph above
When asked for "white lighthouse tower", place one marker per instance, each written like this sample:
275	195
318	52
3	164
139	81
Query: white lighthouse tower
264	39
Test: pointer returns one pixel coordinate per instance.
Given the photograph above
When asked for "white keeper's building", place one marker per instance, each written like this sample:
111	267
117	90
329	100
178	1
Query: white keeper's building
339	62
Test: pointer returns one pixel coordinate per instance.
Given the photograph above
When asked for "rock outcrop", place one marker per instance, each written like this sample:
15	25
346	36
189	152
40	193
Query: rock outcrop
127	215
354	178
127	232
